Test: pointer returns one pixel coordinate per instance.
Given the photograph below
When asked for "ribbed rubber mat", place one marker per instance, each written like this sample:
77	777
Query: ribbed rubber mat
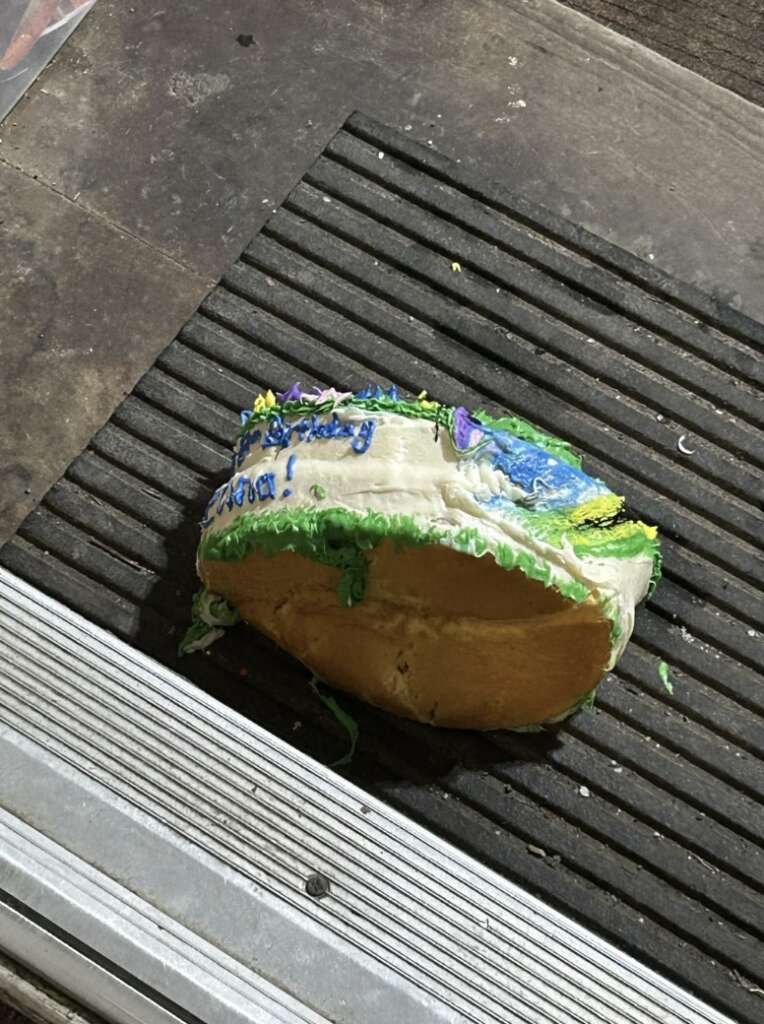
644	819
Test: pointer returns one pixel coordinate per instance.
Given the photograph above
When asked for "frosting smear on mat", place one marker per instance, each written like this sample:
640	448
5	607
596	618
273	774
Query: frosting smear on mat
448	565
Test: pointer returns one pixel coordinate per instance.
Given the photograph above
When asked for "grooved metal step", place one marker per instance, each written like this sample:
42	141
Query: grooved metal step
162	856
351	281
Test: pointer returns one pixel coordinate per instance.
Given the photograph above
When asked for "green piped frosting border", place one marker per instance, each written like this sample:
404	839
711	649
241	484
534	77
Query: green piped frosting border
339	537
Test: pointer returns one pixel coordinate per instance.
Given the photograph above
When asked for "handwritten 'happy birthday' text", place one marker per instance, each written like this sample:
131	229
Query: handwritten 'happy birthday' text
279	434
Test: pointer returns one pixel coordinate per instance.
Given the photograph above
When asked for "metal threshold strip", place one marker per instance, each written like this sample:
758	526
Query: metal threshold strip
158	852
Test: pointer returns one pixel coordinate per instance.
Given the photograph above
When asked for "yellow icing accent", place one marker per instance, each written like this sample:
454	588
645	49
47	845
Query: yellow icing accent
422	399
263	402
598	508
613	534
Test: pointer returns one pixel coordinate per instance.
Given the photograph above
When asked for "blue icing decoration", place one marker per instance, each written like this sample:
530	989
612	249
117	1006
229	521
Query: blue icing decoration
238	491
278	434
265	485
375	391
548	482
222	491
365	435
244	446
281	434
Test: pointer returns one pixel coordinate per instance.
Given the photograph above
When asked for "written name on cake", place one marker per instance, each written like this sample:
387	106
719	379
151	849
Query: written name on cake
243	489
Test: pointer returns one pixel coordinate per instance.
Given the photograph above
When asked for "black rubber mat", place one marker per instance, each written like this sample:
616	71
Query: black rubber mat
644	818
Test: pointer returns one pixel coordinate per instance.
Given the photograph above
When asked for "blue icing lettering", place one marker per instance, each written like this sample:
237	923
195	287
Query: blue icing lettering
250	438
265	485
223	492
239	489
244	488
277	434
280	434
306	430
364	436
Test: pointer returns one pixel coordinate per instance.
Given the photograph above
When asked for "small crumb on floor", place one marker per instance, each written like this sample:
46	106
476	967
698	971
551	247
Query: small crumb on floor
318	885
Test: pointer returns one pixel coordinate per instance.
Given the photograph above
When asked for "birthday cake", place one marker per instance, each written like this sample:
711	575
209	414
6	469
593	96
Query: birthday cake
449	566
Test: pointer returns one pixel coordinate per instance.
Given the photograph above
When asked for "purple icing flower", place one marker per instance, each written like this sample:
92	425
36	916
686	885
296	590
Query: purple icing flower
464	427
294	394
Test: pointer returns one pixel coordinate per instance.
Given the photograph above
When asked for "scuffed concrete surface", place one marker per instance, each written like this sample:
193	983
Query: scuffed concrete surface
161	121
84	310
160	143
719	39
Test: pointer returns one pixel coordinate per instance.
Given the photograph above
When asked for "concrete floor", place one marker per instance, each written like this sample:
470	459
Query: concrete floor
155	146
720	39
